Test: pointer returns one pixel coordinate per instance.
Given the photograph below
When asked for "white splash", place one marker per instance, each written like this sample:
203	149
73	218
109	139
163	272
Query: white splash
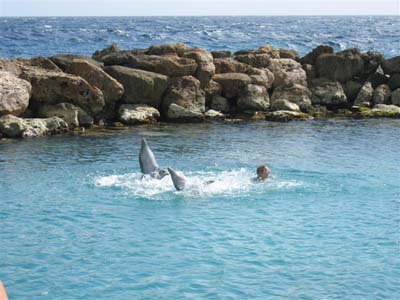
233	182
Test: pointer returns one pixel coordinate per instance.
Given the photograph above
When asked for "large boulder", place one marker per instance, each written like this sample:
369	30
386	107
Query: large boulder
329	94
342	66
100	54
287	71
294	93
381	111
63	60
40	62
232	83
286	116
230	65
12	67
311	57
391	65
66	111
169	65
396	97
394	81
219	103
205	65
13	127
132	114
372	61
283	104
253	98
212	89
49	87
365	94
141	87
111	88
121	57
382	94
351	89
254	59
288	53
14	94
168	49
177	113
186	93
262	77
221	53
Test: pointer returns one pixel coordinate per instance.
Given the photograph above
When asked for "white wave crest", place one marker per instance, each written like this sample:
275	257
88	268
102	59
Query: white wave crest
233	182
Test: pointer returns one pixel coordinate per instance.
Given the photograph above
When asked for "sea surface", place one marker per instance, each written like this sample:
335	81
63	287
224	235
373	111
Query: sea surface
77	222
27	36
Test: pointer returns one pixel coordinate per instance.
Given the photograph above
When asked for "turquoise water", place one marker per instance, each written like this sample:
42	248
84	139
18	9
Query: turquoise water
77	223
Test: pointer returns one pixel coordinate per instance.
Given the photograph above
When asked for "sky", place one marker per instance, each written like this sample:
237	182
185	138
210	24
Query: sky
196	7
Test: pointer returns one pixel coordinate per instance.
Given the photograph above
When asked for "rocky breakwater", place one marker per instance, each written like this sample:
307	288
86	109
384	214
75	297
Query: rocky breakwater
175	83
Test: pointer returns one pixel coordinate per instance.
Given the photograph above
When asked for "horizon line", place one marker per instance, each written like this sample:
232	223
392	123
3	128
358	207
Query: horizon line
232	15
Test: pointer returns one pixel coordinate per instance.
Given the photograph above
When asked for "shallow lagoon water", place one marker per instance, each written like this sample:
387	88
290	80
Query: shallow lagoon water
78	223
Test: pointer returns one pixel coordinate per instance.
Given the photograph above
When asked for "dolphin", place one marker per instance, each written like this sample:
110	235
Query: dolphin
178	180
148	163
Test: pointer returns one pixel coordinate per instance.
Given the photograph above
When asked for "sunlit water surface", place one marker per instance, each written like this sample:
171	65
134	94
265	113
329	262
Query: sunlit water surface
77	222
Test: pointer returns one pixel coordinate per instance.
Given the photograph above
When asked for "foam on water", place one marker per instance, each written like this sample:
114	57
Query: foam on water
232	182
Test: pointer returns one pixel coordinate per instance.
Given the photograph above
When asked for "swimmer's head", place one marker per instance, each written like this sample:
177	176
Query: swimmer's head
262	172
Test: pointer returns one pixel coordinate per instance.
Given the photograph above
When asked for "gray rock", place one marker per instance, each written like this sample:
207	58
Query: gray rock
256	60
232	83
221	104
329	94
205	65
230	65
63	60
382	94
187	94
49	87
287	71
391	65
294	93
286	116
364	96
14	94
141	87
168	49
253	98
111	88
212	89
381	111
132	114
41	62
66	111
394	81
177	113
288	53
263	77
221	54
396	97
378	77
169	65
84	119
12	126
351	89
342	66
212	114
100	54
283	104
311	57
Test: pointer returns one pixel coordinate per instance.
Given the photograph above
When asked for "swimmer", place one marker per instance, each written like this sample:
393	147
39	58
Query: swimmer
262	173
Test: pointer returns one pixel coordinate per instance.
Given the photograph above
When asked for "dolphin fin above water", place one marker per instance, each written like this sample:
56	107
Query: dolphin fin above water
147	160
178	180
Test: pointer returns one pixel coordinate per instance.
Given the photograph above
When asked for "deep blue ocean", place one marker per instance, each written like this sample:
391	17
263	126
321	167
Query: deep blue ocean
25	37
76	221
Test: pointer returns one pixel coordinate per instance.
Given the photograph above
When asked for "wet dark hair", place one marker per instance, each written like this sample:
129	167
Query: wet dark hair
262	172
